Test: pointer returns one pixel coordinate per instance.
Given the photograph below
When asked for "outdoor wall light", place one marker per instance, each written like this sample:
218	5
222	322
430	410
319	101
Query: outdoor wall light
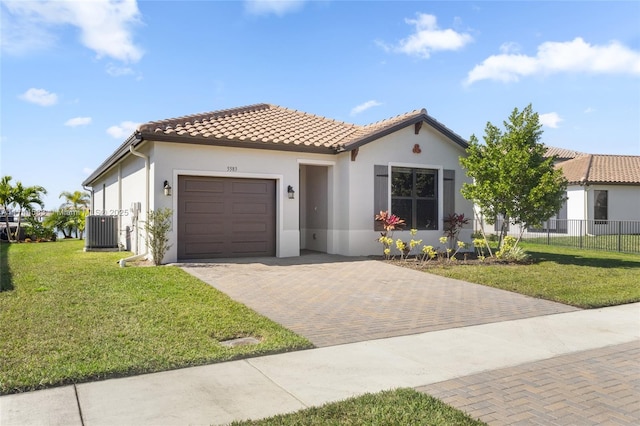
291	192
167	188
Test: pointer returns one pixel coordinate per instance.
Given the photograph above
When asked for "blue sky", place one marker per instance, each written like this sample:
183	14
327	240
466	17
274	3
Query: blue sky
77	77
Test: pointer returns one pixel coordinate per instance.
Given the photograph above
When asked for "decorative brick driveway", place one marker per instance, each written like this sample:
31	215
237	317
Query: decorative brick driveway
594	387
333	300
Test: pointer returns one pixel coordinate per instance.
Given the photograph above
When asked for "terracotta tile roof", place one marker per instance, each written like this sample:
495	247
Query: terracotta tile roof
604	169
270	125
562	153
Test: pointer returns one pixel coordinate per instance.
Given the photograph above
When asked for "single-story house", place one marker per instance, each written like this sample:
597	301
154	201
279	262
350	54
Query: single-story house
263	180
602	188
602	191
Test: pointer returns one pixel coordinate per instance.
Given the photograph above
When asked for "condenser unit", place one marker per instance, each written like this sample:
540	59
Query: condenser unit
101	232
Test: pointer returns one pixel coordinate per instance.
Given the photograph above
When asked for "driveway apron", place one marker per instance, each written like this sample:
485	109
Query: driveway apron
332	300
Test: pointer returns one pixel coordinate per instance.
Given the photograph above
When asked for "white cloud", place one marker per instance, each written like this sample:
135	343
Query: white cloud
123	130
509	47
78	121
428	38
364	106
40	97
589	110
105	25
116	71
550	119
555	57
276	7
87	170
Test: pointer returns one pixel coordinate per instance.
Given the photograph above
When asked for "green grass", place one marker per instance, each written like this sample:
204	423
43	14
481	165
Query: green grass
397	407
582	278
621	243
69	316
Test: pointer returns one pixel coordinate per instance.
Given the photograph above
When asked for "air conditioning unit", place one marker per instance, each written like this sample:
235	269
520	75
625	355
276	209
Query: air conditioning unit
101	232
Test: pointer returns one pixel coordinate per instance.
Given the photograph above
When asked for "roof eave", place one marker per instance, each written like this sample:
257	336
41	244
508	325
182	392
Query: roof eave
234	143
402	124
133	140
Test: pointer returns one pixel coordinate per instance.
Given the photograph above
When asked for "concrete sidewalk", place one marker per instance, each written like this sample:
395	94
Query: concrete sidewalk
264	386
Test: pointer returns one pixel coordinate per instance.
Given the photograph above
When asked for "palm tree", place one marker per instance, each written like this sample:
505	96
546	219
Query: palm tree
6	200
60	221
25	197
76	201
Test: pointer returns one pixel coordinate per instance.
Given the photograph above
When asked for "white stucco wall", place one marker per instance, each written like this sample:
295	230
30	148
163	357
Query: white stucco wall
171	160
347	228
437	152
124	184
624	201
575	202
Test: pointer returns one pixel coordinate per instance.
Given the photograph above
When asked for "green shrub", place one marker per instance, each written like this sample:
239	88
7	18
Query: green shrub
157	226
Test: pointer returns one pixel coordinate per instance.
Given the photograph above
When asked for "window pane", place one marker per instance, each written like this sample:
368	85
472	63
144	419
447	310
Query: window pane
600	205
427	214
401	182
402	208
426	183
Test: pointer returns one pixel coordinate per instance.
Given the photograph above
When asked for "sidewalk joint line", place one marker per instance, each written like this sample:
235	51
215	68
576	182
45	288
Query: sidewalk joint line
75	390
248	361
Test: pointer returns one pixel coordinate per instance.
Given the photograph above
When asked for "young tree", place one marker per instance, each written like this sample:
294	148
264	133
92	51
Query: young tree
75	203
25	197
511	176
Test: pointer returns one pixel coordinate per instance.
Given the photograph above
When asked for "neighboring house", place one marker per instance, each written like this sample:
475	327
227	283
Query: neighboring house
263	180
601	189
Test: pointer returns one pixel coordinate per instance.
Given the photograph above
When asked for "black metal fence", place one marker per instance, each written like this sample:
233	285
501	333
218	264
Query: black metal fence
607	235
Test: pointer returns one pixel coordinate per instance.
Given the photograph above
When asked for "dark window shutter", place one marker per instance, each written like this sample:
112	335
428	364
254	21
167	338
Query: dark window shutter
449	193
380	193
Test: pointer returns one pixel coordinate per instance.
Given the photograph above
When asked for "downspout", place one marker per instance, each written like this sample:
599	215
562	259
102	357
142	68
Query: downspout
585	182
86	188
120	199
123	262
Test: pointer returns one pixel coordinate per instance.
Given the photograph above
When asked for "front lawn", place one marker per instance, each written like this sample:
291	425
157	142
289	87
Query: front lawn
397	407
69	316
582	278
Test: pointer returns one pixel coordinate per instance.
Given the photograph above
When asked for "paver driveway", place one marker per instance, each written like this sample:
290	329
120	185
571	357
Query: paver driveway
334	300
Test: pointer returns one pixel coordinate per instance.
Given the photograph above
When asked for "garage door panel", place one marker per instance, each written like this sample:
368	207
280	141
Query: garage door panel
249	187
203	249
197	229
225	217
204	207
250	208
196	184
249	227
249	247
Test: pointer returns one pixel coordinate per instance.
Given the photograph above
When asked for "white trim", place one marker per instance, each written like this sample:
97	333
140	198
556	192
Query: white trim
316	162
331	196
209	173
440	170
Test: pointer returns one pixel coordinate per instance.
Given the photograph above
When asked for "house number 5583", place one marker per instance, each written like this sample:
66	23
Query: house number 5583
232	168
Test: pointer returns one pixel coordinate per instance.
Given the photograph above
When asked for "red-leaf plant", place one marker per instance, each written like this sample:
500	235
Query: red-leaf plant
390	222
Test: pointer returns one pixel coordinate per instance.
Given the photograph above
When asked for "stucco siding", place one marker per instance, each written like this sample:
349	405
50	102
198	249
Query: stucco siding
575	203
171	160
623	201
436	152
333	208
